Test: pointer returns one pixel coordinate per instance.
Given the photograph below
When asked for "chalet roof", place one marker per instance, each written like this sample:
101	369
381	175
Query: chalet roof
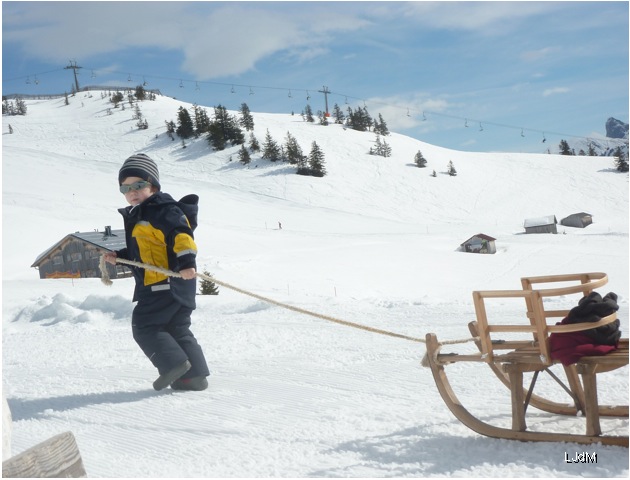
482	236
540	221
112	242
579	214
115	241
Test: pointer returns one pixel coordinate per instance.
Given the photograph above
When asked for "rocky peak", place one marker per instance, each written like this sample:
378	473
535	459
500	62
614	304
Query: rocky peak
616	128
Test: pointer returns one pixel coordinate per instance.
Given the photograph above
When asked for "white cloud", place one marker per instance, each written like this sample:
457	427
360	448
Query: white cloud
483	17
402	113
56	31
553	91
215	39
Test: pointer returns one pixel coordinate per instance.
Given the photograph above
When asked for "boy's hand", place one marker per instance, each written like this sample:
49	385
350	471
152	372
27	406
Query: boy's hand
188	273
110	257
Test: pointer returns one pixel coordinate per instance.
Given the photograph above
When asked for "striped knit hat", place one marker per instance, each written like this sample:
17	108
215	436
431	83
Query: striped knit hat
141	166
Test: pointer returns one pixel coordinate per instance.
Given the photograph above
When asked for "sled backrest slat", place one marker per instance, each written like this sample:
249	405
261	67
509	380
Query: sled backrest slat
534	326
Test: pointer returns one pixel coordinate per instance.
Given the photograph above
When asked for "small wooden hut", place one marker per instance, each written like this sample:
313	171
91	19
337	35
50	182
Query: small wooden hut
479	243
541	224
577	220
77	255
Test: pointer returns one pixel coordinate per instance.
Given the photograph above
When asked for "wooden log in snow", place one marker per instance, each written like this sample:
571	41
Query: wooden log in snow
56	457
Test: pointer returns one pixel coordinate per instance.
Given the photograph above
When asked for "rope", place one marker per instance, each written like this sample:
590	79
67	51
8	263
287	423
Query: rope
106	280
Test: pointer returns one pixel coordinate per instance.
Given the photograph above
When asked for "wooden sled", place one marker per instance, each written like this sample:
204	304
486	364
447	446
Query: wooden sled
526	350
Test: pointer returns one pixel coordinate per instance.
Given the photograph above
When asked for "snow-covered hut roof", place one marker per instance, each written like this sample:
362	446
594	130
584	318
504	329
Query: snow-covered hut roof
481	236
540	221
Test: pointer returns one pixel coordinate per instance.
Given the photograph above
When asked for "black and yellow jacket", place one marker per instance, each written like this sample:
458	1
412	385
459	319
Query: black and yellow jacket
159	232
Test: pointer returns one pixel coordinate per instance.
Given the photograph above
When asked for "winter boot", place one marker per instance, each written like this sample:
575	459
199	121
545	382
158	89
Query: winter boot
173	374
194	383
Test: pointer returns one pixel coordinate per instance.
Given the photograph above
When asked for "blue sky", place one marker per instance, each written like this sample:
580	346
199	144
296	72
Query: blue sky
478	76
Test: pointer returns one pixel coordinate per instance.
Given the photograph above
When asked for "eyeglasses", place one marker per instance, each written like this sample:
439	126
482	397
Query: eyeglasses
134	186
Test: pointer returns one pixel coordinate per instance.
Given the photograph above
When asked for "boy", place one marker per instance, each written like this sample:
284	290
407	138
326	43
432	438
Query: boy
158	231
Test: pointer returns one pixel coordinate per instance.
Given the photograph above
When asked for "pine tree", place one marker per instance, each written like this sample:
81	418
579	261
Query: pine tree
20	106
7	107
202	121
116	98
621	162
224	129
353	120
292	149
243	156
387	150
208	287
564	148
377	148
170	129
338	114
271	150
185	128
216	136
360	119
382	148
235	134
247	120
316	161
254	146
308	112
451	169
419	160
137	113
366	119
302	166
591	150
141	124
380	126
349	118
140	92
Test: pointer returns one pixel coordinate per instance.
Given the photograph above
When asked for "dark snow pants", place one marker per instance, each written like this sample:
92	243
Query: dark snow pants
161	327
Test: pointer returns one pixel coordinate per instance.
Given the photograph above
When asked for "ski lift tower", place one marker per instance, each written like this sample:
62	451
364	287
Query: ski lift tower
74	67
325	91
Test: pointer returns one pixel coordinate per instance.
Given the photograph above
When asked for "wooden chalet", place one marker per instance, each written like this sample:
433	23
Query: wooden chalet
541	224
77	255
577	220
479	243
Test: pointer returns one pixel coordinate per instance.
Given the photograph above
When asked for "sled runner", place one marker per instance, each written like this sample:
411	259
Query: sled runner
525	350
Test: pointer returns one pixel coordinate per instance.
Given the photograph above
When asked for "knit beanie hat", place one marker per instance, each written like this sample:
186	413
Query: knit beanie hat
141	166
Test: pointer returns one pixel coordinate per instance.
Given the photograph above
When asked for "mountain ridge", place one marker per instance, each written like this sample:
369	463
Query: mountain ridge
346	156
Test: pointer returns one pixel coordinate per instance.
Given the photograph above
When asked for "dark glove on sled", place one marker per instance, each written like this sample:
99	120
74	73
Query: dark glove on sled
593	308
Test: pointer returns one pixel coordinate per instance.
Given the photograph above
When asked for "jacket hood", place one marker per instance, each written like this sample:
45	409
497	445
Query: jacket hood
190	207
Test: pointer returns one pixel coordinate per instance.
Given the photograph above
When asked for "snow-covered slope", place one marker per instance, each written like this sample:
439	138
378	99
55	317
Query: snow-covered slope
374	242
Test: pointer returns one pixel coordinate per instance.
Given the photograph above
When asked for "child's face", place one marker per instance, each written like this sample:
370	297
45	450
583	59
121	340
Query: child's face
136	197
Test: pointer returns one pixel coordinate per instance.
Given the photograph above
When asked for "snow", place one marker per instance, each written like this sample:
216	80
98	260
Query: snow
375	242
